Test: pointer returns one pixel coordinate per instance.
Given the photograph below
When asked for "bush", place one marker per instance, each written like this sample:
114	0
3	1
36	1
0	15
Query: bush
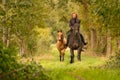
114	61
10	69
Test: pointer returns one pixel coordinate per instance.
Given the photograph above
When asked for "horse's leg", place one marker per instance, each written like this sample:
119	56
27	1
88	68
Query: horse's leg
60	56
79	54
72	56
63	55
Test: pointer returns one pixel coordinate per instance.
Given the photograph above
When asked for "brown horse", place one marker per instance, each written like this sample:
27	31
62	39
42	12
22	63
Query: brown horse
61	44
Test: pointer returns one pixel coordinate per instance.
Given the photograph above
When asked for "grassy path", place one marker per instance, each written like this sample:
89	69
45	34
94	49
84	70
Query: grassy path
64	70
78	70
77	77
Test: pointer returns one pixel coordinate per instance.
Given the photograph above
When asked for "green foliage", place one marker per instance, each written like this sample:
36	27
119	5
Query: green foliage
10	69
114	61
44	40
18	20
108	14
7	59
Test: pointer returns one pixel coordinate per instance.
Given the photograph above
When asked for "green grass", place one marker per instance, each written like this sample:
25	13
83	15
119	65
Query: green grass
99	74
78	70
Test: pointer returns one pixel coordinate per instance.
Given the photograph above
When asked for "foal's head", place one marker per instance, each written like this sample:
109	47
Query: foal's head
60	35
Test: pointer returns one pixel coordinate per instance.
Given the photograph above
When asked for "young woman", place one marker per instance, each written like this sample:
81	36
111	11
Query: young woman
73	21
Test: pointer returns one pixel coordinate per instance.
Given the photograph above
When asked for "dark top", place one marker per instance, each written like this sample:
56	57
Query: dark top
74	21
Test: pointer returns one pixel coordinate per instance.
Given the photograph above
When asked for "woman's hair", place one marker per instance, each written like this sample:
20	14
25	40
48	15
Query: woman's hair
75	14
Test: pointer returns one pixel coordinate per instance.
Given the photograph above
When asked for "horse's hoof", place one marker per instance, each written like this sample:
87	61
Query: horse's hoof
71	62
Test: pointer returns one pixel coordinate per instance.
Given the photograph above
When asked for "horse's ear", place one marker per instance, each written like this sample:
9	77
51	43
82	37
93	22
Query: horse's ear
60	30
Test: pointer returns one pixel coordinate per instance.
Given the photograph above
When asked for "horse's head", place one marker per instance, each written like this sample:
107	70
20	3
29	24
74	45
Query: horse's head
75	28
60	35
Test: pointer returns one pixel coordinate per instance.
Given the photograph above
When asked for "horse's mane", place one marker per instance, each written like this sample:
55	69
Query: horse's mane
75	37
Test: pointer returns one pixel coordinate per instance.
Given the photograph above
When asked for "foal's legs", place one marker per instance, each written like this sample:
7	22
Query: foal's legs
60	55
72	56
63	57
79	54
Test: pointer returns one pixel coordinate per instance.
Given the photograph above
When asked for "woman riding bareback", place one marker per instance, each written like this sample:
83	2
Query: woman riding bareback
74	20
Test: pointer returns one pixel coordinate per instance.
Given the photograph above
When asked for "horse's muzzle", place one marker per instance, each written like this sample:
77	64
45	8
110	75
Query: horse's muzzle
60	40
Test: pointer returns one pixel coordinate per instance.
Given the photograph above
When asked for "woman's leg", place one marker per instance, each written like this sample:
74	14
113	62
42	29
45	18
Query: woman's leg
83	40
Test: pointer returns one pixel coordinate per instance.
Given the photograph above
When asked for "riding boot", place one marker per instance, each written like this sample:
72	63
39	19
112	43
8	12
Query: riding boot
83	40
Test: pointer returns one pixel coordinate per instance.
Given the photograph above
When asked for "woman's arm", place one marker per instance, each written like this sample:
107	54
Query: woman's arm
78	21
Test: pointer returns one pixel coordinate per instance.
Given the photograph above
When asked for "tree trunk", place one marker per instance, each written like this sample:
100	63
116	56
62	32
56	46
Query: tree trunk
22	48
8	37
3	28
93	38
109	46
3	37
118	44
